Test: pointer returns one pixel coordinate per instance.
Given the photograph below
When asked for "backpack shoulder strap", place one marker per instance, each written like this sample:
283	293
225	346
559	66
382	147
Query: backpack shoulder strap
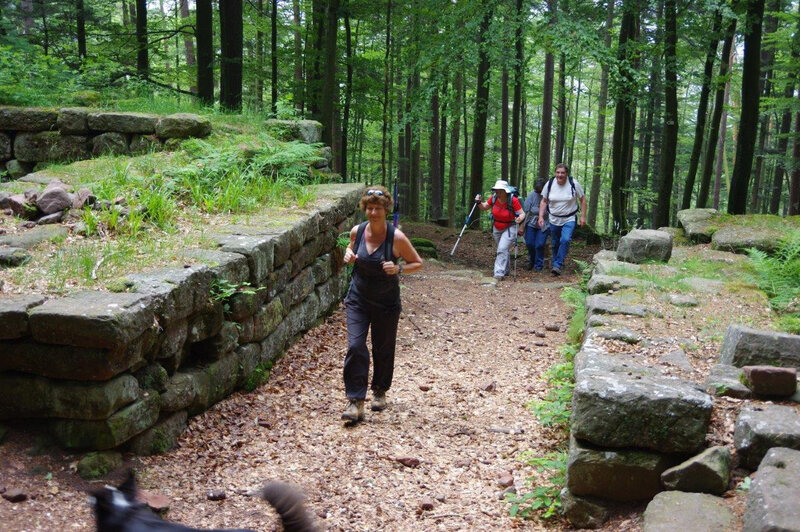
359	235
388	249
549	186
572	185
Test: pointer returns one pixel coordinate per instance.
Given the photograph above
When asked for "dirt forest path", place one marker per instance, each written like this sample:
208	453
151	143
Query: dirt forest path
467	362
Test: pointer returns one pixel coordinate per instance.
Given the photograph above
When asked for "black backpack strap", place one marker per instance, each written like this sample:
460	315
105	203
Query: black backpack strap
359	235
388	251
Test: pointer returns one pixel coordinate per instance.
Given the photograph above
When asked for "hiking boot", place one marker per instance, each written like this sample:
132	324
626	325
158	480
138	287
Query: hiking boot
378	401
354	411
556	271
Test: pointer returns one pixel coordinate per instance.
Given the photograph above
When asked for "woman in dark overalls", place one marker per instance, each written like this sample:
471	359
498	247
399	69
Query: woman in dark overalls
373	301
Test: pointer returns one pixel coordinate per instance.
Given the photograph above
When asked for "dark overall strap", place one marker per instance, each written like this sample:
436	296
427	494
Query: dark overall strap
389	242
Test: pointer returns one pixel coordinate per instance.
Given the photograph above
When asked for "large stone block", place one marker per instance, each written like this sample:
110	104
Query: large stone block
298	288
622	475
739	239
697	224
760	428
206	323
231	267
161	437
92	319
772	502
123	122
598	304
5	147
213	382
619	410
50	146
600	284
176	293
73	121
308	131
108	433
110	143
180	392
72	362
14	315
672	511
28	396
707	472
258	249
641	245
183	125
27	119
266	319
744	346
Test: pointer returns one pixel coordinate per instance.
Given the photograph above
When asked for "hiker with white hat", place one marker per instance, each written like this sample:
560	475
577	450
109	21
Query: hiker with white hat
507	213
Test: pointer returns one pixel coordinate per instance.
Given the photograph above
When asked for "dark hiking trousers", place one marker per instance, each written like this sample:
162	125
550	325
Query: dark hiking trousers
383	322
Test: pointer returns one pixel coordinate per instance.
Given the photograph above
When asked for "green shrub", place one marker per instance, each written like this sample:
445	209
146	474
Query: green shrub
542	499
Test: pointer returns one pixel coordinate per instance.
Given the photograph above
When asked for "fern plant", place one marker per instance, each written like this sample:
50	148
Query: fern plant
778	275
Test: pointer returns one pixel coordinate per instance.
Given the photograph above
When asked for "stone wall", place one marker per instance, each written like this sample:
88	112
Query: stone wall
32	135
104	370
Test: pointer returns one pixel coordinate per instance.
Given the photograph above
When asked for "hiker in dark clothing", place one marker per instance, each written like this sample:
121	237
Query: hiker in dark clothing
535	236
373	301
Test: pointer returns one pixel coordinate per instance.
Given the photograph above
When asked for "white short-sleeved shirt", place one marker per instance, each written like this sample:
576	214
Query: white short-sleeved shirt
562	203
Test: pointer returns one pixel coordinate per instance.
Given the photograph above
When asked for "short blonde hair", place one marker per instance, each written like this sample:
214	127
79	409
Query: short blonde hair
376	194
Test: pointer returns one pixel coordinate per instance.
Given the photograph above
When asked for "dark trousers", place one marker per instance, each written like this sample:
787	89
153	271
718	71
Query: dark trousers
361	318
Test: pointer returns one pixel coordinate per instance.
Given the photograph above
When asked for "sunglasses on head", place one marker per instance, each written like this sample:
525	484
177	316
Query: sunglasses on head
372	192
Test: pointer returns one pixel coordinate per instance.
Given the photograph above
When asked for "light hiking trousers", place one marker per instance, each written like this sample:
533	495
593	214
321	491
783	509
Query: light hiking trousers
504	238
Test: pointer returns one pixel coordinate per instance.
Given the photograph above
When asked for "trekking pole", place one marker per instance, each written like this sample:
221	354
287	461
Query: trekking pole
463	228
516	249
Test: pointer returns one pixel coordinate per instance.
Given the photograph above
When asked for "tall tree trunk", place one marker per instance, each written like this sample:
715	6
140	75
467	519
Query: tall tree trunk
570	158
329	87
231	47
259	81
274	57
416	157
670	143
454	133
188	43
600	133
443	112
26	7
794	187
518	80
723	129
205	52
298	57
481	106
546	127
348	88
561	109
314	59
80	15
126	14
434	159
504	127
644	164
719	106
386	92
702	111
766	75
142	60
748	123
783	145
623	136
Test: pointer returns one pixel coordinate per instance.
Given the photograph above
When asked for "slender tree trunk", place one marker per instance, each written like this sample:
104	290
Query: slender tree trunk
416	155
454	133
126	14
205	52
274	55
518	80
719	105
386	83
748	123
723	129
561	109
783	145
314	59
298	57
188	43
329	87
481	106
231	47
259	81
504	127
623	136
443	112
644	164
80	15
348	90
670	143
570	159
26	7
599	140
702	111
434	159
142	60
794	187
766	75
546	127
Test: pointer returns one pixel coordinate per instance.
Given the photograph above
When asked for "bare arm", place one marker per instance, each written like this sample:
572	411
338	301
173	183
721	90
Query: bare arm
583	210
542	210
350	253
405	250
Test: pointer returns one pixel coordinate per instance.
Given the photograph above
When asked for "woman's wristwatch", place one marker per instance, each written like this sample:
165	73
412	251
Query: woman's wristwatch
399	269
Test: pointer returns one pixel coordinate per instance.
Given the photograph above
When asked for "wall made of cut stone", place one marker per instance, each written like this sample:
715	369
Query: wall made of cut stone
109	370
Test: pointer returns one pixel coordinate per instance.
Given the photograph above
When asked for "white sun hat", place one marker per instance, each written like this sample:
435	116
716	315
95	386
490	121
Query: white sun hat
501	184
